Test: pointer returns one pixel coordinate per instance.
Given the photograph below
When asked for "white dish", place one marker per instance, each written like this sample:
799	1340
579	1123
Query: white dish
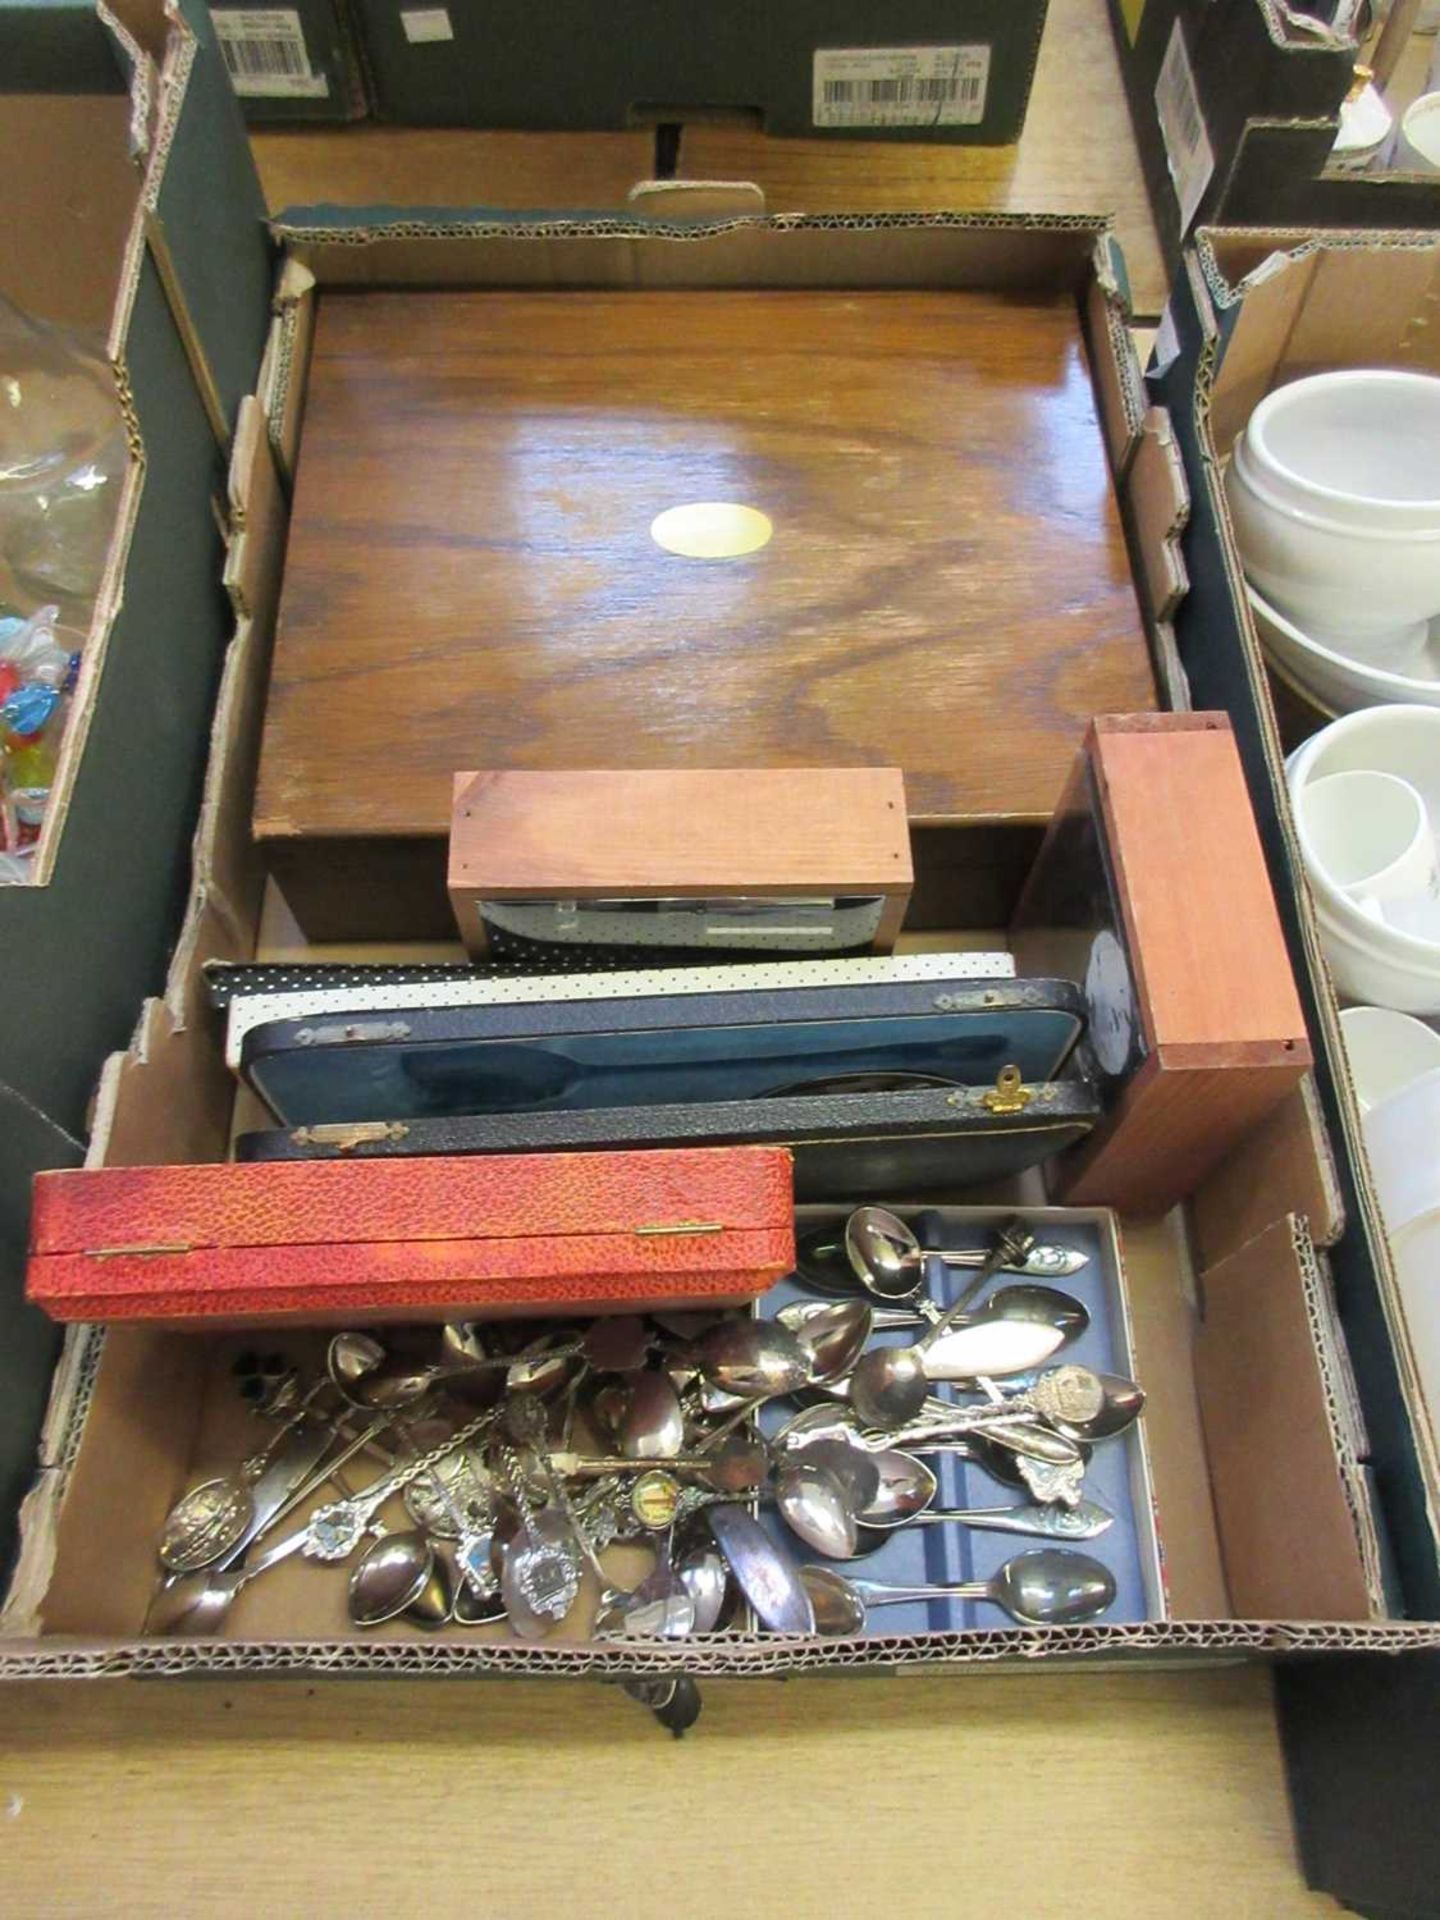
1386	1051
1333	680
1371	974
1334	493
1416	1249
1373	962
1402	1140
1417	146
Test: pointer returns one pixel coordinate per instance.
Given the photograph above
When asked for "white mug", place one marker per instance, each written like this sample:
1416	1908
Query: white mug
1370	834
1386	1051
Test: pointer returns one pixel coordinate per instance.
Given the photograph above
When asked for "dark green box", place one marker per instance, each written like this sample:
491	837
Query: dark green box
293	63
951	70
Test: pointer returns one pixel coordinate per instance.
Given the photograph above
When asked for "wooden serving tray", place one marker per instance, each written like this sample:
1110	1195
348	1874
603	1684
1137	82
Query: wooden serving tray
472	579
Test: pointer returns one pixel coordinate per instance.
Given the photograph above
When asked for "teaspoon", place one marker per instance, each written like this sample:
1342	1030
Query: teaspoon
1047	1587
885	1255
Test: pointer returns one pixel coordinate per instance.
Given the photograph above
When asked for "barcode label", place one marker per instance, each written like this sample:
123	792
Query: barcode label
266	55
1188	152
900	86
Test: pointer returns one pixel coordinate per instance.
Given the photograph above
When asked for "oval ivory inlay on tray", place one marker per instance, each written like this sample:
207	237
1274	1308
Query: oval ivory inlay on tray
711	530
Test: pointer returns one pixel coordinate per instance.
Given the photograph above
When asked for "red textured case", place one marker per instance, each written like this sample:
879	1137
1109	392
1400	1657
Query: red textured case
311	1242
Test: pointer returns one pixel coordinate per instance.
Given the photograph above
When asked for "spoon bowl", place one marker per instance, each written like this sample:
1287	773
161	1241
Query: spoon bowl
653	1427
706	1578
391	1575
814	1505
833	1336
755	1359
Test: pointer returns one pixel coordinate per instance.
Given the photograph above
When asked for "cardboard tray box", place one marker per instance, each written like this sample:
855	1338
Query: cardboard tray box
1264	1495
108	228
1256	308
1236	105
952	70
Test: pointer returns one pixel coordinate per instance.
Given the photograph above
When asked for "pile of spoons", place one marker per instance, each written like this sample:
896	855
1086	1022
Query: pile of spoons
510	1456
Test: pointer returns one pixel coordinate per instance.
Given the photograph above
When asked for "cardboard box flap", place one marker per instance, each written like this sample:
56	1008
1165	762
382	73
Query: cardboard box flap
445	246
1296	1532
1285	1165
206	220
1159	498
1302	303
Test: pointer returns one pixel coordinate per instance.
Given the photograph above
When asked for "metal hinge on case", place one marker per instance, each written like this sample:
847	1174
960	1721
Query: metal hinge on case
352	1032
684	1226
142	1252
345	1136
1009	1094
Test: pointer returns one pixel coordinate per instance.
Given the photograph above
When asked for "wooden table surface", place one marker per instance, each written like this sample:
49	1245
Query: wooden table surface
1128	1791
1076	155
1033	1794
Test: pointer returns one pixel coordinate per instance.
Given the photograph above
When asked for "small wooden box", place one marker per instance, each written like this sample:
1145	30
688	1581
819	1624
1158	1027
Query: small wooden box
1151	889
785	860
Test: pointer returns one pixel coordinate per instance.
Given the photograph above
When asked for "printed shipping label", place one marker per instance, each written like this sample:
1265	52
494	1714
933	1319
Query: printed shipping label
1188	152
900	86
423	24
266	54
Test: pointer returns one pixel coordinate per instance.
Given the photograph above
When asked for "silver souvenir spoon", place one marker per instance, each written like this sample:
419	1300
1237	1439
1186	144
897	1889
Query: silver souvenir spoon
1047	1587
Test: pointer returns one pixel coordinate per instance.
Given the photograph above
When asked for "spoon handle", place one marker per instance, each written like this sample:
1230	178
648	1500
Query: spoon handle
1013	1242
877	1594
1050	1523
1016	1433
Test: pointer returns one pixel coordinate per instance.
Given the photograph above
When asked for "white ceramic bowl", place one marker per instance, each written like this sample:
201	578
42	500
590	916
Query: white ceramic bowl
1365	970
1402	1142
1417	1271
1333	680
1417	147
1334	493
1373	962
1386	1051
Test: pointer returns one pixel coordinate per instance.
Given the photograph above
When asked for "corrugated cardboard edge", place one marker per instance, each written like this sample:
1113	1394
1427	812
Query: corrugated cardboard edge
111	589
71	1391
180	57
1276	252
754	1657
285	366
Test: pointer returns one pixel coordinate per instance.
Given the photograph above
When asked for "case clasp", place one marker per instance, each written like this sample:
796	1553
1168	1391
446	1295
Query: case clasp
1008	1095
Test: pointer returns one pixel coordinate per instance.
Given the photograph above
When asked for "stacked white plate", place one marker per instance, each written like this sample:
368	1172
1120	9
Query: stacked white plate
1334	682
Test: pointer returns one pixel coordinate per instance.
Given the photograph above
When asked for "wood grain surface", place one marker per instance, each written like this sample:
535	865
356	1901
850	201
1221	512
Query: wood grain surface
1026	1793
472	582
